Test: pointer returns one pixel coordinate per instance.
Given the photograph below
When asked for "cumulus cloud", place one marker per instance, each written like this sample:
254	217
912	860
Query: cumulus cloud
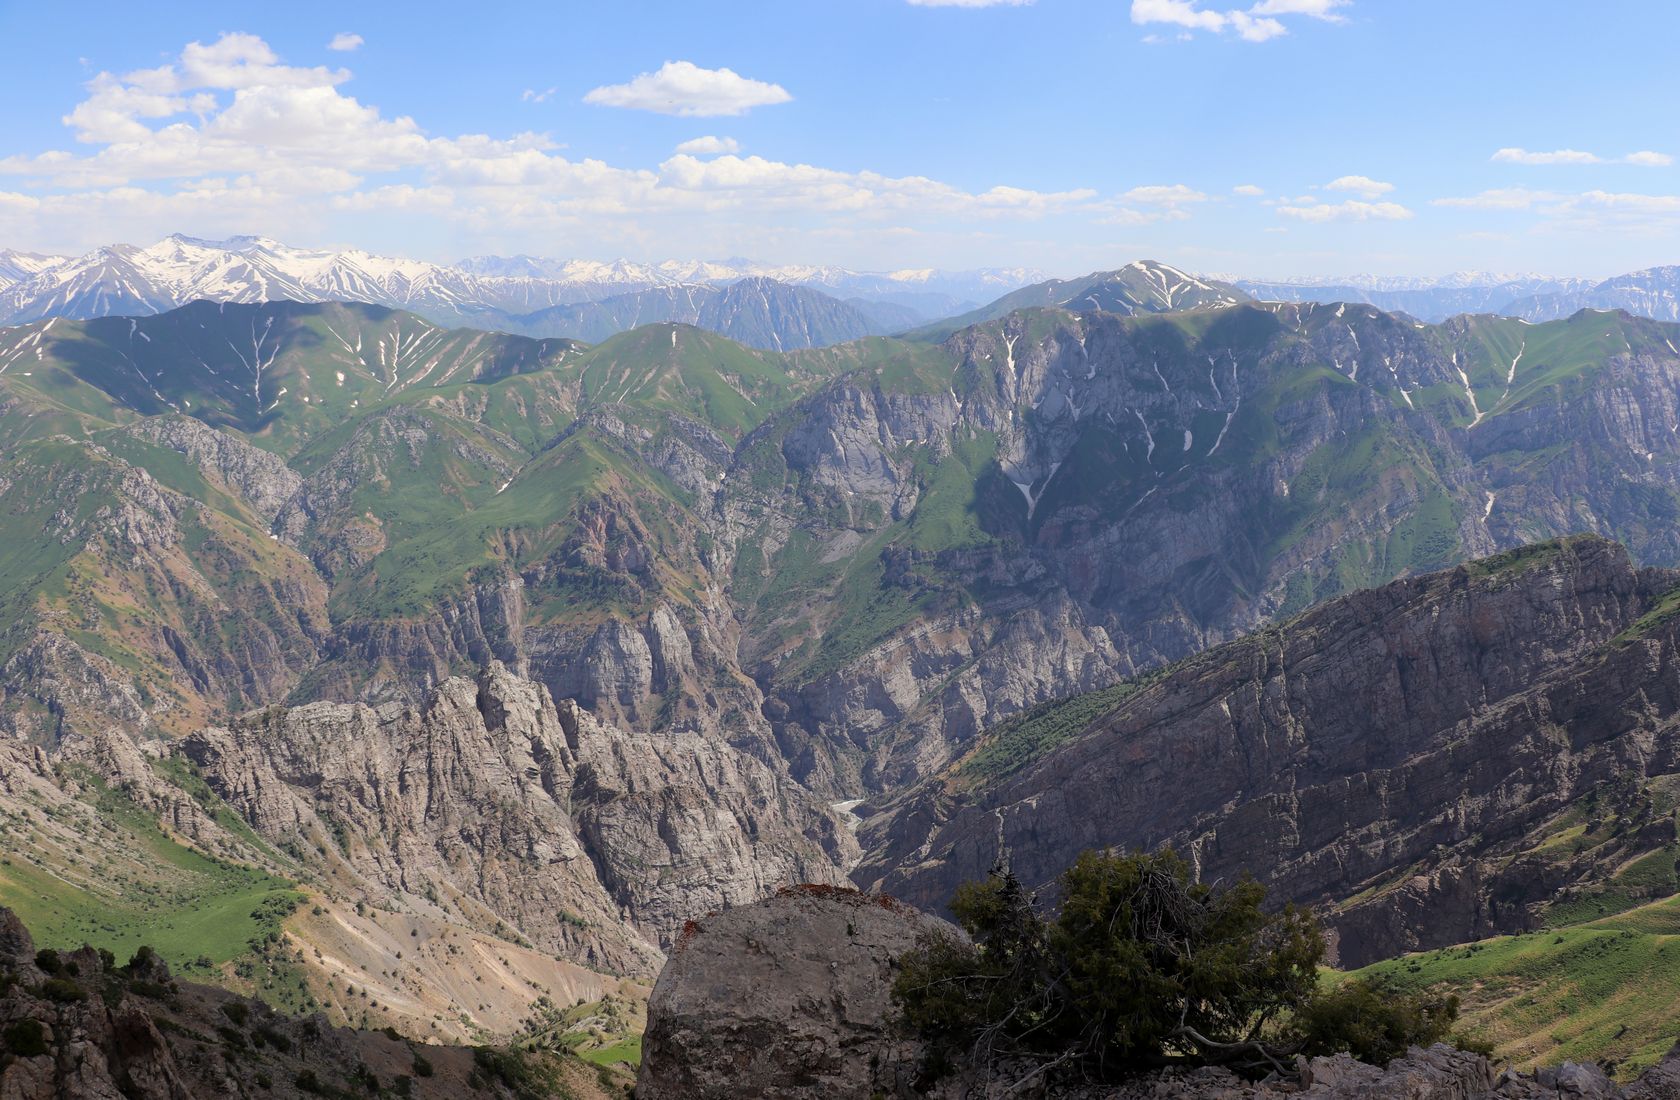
1257	23
1158	203
1169	195
227	135
734	179
684	89
708	145
345	42
1645	158
1327	10
1248	190
1351	210
531	95
1363	186
1622	204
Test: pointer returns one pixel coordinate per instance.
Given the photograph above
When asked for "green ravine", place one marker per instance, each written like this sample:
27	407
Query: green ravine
134	886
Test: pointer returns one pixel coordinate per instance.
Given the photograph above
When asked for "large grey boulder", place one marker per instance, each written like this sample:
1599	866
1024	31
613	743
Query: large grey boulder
790	997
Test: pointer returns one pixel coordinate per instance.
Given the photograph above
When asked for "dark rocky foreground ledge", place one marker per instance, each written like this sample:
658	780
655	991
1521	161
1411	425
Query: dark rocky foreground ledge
77	1026
791	997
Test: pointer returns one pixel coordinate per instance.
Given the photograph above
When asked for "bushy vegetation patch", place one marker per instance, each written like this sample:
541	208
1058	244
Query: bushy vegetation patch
1141	967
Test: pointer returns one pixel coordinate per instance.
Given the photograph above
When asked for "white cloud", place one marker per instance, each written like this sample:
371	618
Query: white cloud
1352	210
1560	205
1327	10
1557	156
228	138
1248	189
1503	198
1363	186
345	42
708	145
1645	158
1257	23
1634	205
531	95
1160	203
1586	211
734	180
1172	195
685	89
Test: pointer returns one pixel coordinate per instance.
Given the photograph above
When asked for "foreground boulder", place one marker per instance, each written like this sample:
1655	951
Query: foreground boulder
792	998
789	997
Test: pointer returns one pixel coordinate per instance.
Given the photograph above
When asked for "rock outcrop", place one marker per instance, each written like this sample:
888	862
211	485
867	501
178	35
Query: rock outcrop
791	997
259	479
490	802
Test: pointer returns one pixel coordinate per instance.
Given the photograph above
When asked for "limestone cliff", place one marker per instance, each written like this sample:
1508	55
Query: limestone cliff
488	803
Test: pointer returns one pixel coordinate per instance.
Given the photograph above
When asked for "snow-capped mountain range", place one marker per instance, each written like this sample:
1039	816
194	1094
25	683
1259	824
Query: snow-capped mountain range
1453	280
1654	293
125	279
523	293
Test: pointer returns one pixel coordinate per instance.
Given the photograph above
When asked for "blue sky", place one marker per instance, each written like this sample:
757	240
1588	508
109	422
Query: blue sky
1067	135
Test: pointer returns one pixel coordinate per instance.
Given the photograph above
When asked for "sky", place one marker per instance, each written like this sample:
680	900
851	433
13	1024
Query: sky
1261	138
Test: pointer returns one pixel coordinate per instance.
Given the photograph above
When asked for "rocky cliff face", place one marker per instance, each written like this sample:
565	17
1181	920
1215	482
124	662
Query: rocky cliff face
848	561
488	804
1398	754
133	594
1131	492
257	478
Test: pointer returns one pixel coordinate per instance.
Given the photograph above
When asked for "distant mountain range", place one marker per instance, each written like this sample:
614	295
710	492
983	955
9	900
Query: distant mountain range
1653	293
485	292
757	311
778	308
1143	286
1431	301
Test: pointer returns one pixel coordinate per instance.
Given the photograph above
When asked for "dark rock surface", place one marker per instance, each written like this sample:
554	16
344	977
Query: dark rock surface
788	997
1388	753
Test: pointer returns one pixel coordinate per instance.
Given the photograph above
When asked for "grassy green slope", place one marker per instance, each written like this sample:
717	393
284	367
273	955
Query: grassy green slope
125	884
1601	979
438	541
277	373
1604	989
692	373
